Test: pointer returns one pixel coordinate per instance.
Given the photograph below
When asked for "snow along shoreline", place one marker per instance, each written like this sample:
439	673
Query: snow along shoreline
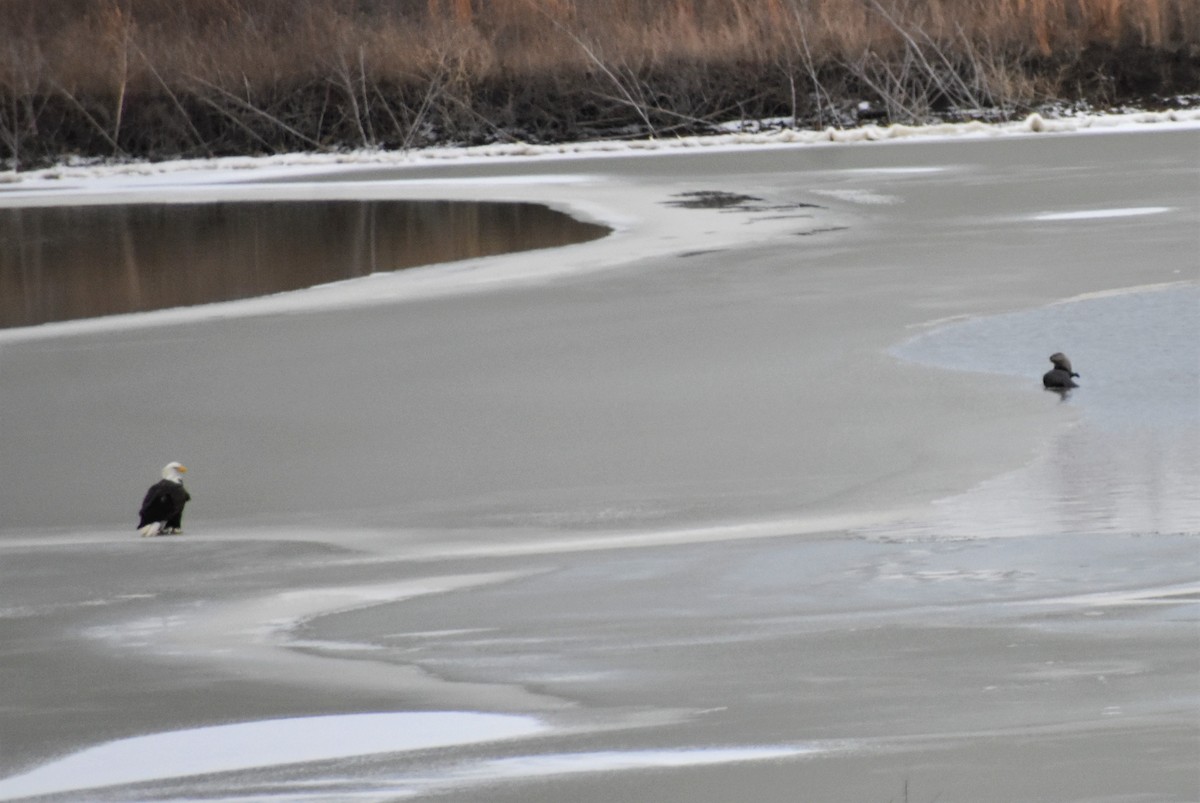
1035	123
245	178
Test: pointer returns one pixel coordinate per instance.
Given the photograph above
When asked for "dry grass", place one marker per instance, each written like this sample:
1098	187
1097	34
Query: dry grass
167	77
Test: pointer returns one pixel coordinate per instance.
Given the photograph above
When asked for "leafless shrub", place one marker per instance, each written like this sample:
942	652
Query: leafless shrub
162	77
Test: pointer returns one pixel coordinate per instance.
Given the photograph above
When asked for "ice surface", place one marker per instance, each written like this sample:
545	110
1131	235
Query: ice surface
225	748
1138	351
656	448
197	180
1099	214
610	761
1131	462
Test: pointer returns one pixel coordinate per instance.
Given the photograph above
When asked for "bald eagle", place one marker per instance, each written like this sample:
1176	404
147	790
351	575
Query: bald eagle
1061	377
162	509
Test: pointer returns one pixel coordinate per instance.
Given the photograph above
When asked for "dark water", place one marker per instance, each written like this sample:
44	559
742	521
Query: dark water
61	263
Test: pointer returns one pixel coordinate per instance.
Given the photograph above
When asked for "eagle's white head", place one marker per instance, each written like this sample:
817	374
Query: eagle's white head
174	472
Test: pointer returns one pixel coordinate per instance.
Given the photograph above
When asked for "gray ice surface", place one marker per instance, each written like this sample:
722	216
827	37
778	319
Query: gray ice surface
691	496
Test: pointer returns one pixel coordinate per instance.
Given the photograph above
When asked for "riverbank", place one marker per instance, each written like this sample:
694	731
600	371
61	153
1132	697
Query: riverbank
253	77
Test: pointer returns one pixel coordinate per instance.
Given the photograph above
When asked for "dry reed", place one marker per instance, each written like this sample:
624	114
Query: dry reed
156	78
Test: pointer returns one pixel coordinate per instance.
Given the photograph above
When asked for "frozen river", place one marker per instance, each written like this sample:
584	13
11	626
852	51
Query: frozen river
757	497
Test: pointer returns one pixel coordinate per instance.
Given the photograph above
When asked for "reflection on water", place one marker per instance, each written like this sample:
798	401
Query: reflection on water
60	263
1138	353
1132	463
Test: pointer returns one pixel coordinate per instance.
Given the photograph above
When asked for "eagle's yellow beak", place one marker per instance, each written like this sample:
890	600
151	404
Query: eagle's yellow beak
183	469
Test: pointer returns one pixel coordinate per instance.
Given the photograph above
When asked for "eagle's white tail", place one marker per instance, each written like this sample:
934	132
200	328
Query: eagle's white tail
154	528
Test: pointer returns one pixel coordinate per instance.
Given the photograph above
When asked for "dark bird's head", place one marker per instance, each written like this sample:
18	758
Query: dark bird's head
1061	362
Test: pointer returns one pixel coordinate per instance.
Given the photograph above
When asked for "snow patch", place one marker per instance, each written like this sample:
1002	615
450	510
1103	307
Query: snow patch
1098	214
51	178
612	761
859	196
266	743
1179	594
640	539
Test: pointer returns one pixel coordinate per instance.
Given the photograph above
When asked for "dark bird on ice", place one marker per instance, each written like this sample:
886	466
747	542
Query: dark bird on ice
162	509
1060	377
